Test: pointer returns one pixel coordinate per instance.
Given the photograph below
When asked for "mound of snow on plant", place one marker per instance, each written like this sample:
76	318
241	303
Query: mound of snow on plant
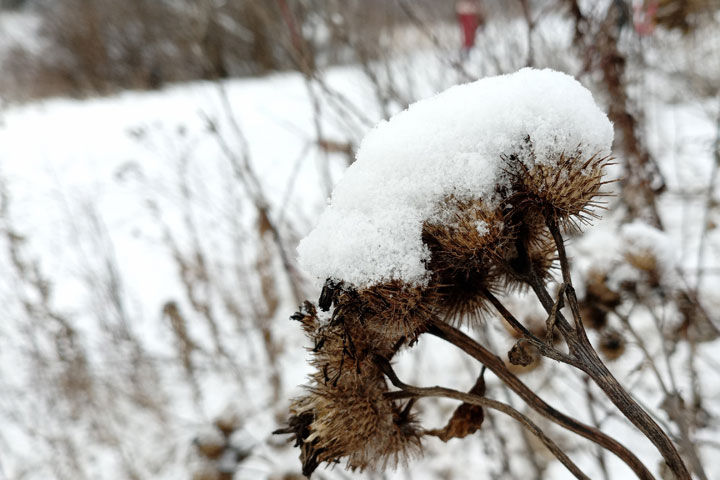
450	144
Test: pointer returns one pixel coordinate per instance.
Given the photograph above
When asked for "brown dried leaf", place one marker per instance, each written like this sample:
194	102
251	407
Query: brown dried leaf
467	419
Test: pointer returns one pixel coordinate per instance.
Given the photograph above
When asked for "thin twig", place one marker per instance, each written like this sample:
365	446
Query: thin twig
600	453
708	203
543	346
413	392
497	366
590	363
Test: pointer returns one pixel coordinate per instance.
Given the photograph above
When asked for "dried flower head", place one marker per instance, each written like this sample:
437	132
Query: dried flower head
467	242
564	187
211	473
598	291
644	260
346	414
593	316
210	443
533	250
353	421
389	312
694	321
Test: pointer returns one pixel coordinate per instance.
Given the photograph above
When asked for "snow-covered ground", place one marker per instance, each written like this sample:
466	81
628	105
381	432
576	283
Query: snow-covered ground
115	209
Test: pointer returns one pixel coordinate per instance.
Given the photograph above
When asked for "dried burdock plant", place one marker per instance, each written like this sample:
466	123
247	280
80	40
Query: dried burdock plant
566	187
354	419
345	412
400	264
467	245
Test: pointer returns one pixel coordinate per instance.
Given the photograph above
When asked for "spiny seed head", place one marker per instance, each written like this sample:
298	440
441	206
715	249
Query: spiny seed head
565	187
390	312
373	321
345	414
695	323
356	422
599	299
465	235
466	243
211	444
535	250
228	422
645	260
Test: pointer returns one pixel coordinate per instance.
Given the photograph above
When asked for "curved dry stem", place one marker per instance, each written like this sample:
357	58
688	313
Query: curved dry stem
544	347
589	362
497	366
416	392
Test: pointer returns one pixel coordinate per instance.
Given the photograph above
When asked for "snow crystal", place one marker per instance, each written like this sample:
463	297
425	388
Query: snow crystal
324	318
482	227
450	144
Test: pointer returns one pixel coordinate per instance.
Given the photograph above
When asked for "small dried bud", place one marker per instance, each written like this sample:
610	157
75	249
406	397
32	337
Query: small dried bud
520	354
528	358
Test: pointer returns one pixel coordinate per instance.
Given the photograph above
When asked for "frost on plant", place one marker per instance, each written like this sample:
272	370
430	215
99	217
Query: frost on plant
448	202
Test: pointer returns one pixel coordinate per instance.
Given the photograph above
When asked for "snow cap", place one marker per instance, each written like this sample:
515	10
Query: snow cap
450	144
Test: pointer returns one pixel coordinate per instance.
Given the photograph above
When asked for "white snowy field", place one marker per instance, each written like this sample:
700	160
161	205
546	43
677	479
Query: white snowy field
142	298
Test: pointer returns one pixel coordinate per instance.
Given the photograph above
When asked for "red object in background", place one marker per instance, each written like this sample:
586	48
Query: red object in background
644	17
469	17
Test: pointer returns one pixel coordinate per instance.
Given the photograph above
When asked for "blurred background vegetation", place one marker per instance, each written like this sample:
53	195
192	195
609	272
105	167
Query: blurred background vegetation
160	160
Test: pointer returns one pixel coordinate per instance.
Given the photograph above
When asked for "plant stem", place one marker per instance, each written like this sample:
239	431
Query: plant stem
590	363
497	366
413	392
